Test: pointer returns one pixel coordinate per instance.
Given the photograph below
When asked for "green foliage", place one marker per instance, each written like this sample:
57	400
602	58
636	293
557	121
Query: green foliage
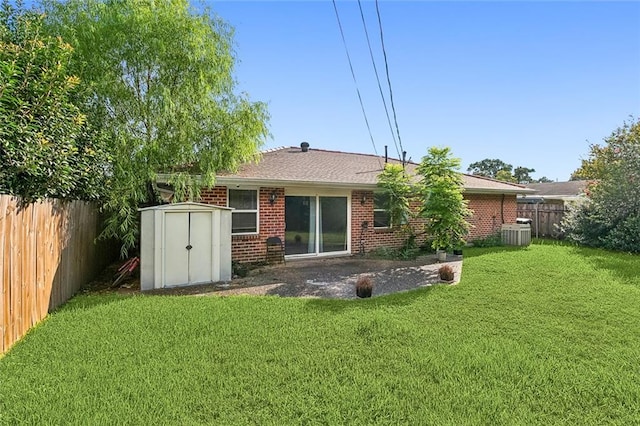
542	335
489	167
523	174
595	166
157	80
47	148
398	189
443	207
494	240
610	217
498	169
505	176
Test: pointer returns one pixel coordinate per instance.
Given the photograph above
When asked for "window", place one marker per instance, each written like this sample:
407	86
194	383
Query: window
381	217
244	219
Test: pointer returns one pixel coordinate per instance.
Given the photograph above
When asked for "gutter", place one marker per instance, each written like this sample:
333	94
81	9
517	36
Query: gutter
237	182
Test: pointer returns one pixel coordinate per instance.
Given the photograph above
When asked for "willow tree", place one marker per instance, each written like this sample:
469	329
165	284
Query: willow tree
157	81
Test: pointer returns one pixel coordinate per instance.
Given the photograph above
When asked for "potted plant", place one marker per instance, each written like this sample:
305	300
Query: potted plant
364	286
446	273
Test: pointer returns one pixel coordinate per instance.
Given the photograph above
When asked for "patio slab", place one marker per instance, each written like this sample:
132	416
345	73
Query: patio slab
335	278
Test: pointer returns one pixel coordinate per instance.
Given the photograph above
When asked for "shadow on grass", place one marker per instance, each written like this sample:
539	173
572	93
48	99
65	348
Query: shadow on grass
624	265
403	298
89	300
481	251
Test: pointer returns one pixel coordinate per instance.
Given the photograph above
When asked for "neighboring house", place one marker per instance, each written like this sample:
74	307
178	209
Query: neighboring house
547	205
323	203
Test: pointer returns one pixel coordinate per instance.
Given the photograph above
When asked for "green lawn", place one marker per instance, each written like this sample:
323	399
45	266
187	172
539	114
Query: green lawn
544	335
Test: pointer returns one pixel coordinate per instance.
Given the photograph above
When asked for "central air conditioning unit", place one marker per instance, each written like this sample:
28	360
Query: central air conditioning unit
516	234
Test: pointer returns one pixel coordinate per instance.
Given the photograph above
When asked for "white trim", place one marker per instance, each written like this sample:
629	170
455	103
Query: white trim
256	211
317	193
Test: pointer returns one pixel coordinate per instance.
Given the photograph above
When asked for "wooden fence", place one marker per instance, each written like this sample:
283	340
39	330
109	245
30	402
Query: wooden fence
546	218
47	252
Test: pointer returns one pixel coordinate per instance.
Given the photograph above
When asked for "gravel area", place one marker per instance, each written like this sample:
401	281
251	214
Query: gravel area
328	278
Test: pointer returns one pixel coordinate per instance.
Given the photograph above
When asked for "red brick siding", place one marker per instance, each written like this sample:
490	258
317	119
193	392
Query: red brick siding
253	248
488	214
216	196
372	238
486	220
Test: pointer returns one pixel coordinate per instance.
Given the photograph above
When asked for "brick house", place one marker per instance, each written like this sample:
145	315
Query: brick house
322	203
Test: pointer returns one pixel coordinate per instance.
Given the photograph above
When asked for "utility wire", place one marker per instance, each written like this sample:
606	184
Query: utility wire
386	65
355	81
375	69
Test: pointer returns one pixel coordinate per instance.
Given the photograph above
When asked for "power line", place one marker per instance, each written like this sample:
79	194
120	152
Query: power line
355	81
386	65
375	70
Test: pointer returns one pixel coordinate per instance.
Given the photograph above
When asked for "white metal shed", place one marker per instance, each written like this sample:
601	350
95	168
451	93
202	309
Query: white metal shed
184	244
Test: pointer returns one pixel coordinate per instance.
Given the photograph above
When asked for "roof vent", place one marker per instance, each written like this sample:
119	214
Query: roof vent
304	146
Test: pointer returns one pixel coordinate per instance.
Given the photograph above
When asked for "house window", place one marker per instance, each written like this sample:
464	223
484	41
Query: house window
244	219
381	217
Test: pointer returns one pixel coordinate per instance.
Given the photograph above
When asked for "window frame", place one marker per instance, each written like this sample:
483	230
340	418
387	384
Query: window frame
380	210
256	211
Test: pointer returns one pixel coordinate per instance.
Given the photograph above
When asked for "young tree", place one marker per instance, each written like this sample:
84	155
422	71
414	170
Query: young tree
443	207
46	149
397	187
157	80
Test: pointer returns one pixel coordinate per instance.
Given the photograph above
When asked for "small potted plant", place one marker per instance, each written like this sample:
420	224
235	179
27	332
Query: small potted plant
446	273
364	286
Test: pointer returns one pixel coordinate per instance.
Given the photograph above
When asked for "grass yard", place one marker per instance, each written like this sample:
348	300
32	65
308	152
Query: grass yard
544	335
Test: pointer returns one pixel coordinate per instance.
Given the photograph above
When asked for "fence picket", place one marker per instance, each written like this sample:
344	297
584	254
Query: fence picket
47	253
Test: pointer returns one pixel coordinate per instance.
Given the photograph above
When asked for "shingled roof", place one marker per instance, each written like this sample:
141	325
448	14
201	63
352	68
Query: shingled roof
559	190
291	166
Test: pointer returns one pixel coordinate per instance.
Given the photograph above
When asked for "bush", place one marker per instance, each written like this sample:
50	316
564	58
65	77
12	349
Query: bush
494	240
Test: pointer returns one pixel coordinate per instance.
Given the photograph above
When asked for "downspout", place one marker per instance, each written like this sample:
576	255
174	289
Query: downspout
502	209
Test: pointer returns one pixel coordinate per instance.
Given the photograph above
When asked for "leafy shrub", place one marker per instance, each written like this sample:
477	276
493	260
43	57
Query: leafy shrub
494	240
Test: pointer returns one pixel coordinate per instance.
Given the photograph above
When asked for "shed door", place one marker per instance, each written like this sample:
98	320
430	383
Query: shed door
187	248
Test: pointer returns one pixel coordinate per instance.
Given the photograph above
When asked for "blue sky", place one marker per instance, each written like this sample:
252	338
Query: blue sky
531	83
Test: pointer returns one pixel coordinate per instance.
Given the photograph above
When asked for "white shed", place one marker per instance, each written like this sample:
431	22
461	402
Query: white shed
184	244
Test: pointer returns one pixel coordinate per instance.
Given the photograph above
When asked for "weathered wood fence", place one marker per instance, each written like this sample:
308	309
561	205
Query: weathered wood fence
546	218
47	252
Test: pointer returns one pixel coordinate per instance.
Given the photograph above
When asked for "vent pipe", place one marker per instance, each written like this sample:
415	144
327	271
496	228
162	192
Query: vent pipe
304	146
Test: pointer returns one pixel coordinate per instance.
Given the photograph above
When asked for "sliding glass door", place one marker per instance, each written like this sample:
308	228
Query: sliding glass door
316	224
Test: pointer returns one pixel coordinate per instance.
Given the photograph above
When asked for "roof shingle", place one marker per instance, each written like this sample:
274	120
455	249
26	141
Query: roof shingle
292	166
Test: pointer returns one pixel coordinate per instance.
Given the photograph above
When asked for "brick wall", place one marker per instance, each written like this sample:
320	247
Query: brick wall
487	213
486	220
253	248
370	238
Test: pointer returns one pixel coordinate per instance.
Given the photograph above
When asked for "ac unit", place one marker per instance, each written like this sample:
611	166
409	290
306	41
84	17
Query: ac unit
516	234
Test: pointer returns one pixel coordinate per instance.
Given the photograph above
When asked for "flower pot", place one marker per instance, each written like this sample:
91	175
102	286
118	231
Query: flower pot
442	255
457	252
